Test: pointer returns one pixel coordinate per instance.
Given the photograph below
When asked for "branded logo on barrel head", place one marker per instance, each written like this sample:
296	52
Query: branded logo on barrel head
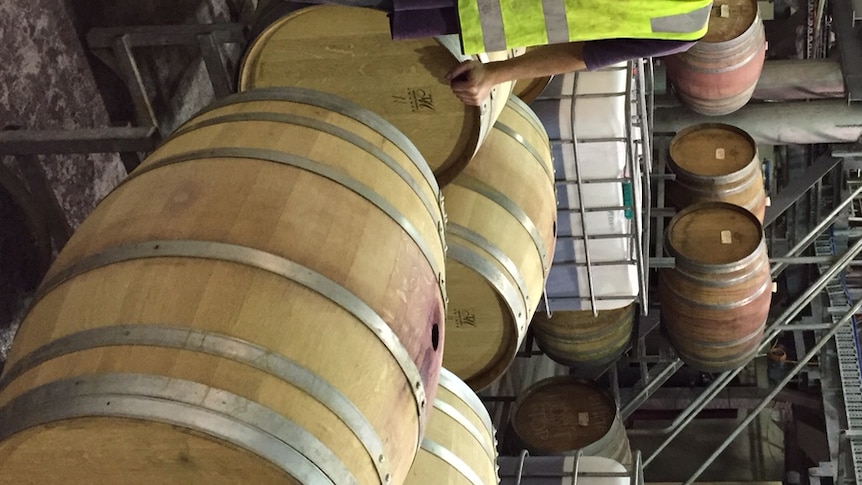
463	318
419	99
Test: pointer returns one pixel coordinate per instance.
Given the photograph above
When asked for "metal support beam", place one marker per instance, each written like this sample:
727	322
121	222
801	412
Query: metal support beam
784	261
43	196
849	47
816	231
658	376
526	469
131	75
165	35
121	41
795	327
85	140
220	78
799	186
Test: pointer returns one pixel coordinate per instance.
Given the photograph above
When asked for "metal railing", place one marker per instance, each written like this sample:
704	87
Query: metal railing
638	162
567	469
848	350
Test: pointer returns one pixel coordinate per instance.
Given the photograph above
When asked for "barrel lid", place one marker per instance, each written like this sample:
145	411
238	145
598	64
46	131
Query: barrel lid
347	51
730	19
712	150
713	233
562	414
483	330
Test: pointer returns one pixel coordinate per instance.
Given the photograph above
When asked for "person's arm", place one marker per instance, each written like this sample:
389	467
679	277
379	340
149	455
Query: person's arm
472	81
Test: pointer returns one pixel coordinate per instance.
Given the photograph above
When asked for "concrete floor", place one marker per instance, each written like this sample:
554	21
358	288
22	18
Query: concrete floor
755	455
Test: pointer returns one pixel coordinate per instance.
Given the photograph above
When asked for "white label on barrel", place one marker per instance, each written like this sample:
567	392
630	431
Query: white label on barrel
584	419
726	237
719	153
725	11
774	287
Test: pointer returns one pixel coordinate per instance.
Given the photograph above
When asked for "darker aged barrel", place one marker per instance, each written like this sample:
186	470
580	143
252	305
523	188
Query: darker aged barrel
715	301
580	340
262	297
564	414
716	162
718	74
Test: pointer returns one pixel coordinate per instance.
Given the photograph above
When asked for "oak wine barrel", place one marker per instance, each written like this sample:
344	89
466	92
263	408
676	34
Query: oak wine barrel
717	75
459	447
715	301
528	89
716	162
580	340
348	51
263	297
500	234
561	415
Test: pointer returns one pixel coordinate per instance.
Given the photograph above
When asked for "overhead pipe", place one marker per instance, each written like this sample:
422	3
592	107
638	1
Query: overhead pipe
780	80
798	79
785	123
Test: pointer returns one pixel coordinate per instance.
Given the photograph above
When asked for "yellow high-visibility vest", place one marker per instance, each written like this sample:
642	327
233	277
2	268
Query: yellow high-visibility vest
495	25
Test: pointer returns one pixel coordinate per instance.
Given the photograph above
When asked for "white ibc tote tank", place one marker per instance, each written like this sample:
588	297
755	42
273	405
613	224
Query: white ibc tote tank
592	105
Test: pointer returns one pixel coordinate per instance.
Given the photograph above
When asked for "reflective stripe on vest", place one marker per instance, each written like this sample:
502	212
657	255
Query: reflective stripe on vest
495	25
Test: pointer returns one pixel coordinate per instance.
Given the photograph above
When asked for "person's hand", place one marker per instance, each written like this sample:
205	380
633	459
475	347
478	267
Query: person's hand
471	81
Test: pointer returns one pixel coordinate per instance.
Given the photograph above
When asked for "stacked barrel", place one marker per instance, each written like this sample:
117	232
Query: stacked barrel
717	76
716	299
585	116
564	415
208	315
272	296
567	415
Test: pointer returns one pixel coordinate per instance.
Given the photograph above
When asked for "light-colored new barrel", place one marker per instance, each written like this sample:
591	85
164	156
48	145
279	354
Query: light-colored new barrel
715	301
716	162
261	300
561	415
580	340
717	76
348	51
500	234
459	447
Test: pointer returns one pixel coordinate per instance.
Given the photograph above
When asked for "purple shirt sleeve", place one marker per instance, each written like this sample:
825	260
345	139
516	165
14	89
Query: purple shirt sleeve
412	19
603	53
